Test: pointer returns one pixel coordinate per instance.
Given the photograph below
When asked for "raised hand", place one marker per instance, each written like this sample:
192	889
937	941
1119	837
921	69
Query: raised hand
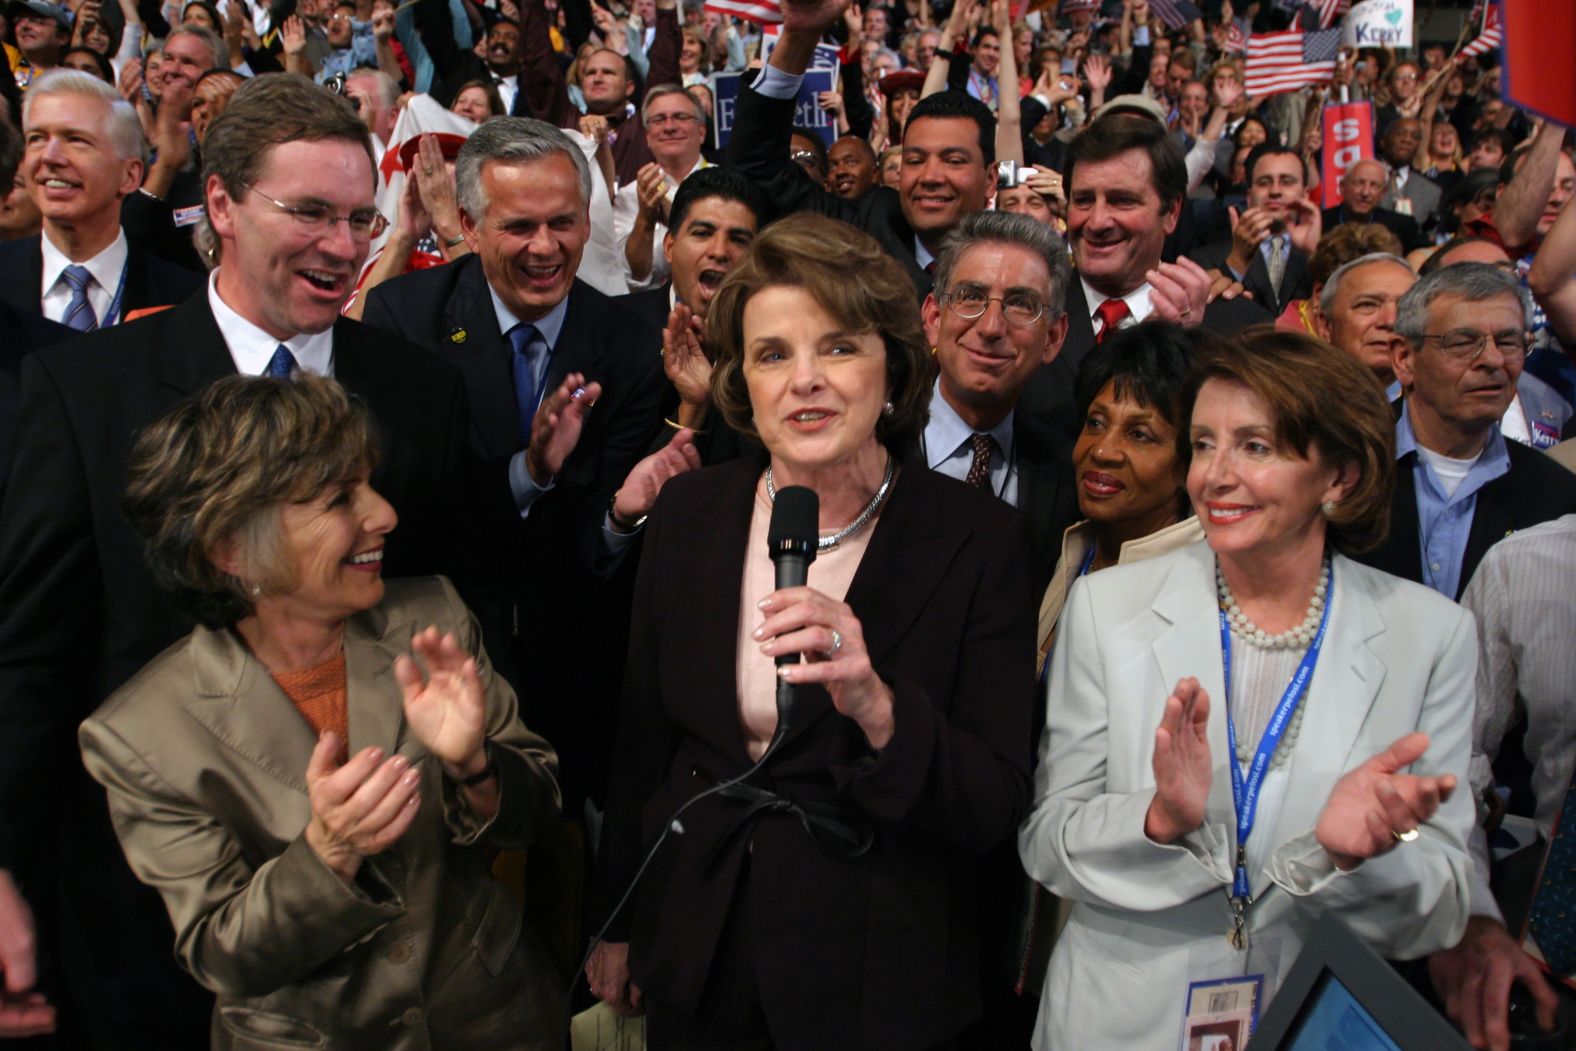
1305	224
446	710
652	187
595	128
1182	765
360	808
645	480
292	35
130	83
1097	71
413	221
854	19
383	24
435	183
556	427
684	361
1180	291
1228	91
811	16
1372	806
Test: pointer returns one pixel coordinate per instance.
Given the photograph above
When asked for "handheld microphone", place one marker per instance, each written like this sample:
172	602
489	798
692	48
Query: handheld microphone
791	539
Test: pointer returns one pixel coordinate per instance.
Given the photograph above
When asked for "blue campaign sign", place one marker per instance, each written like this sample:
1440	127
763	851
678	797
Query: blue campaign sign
807	110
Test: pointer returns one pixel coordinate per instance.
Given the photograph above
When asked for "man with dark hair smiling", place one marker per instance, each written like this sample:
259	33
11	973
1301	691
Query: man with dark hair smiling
1275	235
949	153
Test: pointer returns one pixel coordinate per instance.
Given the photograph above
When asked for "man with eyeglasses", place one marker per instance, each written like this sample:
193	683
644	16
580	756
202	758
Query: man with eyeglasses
675	124
289	181
1460	486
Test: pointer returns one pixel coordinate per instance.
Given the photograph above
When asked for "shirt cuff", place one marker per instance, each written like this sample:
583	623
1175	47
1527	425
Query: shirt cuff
523	486
1140	36
776	84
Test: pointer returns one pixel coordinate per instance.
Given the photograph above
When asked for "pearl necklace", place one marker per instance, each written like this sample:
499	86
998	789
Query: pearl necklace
1300	637
826	543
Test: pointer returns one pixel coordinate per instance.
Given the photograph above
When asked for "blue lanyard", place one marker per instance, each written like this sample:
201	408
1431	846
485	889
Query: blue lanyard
1245	791
1088	561
120	290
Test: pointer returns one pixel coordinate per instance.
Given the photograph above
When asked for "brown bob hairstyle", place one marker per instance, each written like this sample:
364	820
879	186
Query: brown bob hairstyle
1318	397
215	472
855	281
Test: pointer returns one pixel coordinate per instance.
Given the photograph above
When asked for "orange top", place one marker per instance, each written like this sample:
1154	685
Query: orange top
319	694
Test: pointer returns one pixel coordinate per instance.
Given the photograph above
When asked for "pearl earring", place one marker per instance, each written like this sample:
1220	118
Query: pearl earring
1329	508
888	409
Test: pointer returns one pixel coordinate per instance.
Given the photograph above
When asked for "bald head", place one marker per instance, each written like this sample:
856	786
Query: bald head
1362	186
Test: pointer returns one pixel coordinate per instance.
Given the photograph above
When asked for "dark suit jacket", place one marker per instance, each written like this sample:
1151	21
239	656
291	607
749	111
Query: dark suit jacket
876	951
762	130
548	558
24	333
1047	491
150	281
150	224
82	613
1403	226
1535	489
1049	393
1296	283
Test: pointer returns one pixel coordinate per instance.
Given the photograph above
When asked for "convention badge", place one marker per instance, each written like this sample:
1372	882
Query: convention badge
1545	435
188	216
1221	1013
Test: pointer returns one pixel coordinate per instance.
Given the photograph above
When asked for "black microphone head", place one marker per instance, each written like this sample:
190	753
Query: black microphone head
795	525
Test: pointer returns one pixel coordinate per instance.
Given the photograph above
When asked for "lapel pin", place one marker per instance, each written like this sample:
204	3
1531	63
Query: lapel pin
457	335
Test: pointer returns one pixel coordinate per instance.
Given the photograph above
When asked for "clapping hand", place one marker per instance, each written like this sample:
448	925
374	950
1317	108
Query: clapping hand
1180	291
359	808
652	186
1305	224
1182	765
1373	806
292	35
683	360
638	494
23	1012
556	427
446	710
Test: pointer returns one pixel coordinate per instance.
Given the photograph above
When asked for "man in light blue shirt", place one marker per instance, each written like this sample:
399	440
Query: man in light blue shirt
1460	486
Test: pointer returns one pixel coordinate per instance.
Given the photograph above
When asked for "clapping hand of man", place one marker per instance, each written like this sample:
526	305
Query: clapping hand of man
1179	292
1305	224
23	1011
1249	228
556	427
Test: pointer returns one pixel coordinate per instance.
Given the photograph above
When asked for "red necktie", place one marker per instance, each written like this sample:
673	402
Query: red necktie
1111	314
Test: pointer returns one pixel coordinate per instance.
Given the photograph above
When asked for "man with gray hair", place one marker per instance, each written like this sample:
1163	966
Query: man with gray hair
1460	485
85	153
1357	309
565	388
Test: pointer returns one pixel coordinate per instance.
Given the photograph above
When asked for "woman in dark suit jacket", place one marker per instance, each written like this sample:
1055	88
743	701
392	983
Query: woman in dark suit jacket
827	901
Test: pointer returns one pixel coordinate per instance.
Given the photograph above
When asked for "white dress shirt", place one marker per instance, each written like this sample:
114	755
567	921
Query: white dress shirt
251	348
107	268
1139	305
626	208
508	87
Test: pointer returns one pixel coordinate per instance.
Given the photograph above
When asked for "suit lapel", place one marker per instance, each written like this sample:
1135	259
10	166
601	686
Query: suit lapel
24	287
472	341
374	699
1492	521
1080	329
1336	706
241	705
191	352
575	352
1190	646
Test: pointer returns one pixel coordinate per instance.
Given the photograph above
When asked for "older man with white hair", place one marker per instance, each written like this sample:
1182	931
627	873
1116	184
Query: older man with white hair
84	154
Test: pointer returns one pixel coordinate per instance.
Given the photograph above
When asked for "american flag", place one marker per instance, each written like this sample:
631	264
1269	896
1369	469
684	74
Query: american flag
1330	12
763	12
1176	14
1237	36
1287	61
1492	37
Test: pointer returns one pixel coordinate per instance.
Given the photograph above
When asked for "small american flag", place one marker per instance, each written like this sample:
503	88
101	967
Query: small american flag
1237	36
763	12
1176	14
1331	11
1492	37
1287	61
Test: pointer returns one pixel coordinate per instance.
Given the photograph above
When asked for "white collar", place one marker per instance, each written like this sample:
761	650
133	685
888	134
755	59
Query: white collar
251	348
106	267
1138	303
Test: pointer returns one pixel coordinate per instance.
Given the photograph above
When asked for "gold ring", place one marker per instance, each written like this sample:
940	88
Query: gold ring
1404	837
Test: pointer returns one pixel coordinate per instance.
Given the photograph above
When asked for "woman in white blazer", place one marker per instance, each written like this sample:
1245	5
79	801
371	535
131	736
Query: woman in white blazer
1289	454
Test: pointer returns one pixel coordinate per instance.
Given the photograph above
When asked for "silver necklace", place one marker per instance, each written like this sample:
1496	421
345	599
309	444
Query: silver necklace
826	543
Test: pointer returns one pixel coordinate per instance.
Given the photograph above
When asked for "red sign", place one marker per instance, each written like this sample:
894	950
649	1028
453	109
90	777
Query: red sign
1348	138
1532	81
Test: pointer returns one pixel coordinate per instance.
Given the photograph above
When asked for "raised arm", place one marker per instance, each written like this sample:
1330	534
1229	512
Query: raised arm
1522	200
1552	278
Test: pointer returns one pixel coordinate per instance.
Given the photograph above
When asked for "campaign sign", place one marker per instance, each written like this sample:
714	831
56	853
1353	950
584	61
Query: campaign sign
1348	138
1378	23
807	110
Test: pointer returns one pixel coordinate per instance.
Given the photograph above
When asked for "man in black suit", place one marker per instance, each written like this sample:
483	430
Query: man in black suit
85	155
1361	188
949	149
1460	486
1126	179
1273	238
565	391
290	196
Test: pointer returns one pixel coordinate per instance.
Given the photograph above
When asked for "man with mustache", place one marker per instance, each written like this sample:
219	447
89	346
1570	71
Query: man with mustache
289	179
457	66
84	156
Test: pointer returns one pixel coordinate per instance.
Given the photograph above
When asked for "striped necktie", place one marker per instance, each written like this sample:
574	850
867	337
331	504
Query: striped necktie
79	312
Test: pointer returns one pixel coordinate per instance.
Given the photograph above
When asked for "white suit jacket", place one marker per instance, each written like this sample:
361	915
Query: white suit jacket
1398	658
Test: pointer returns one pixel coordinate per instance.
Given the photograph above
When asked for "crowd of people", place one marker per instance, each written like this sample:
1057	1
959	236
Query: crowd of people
401	406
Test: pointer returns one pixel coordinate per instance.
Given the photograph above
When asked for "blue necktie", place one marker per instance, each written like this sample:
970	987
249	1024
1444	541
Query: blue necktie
282	364
79	312
528	345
